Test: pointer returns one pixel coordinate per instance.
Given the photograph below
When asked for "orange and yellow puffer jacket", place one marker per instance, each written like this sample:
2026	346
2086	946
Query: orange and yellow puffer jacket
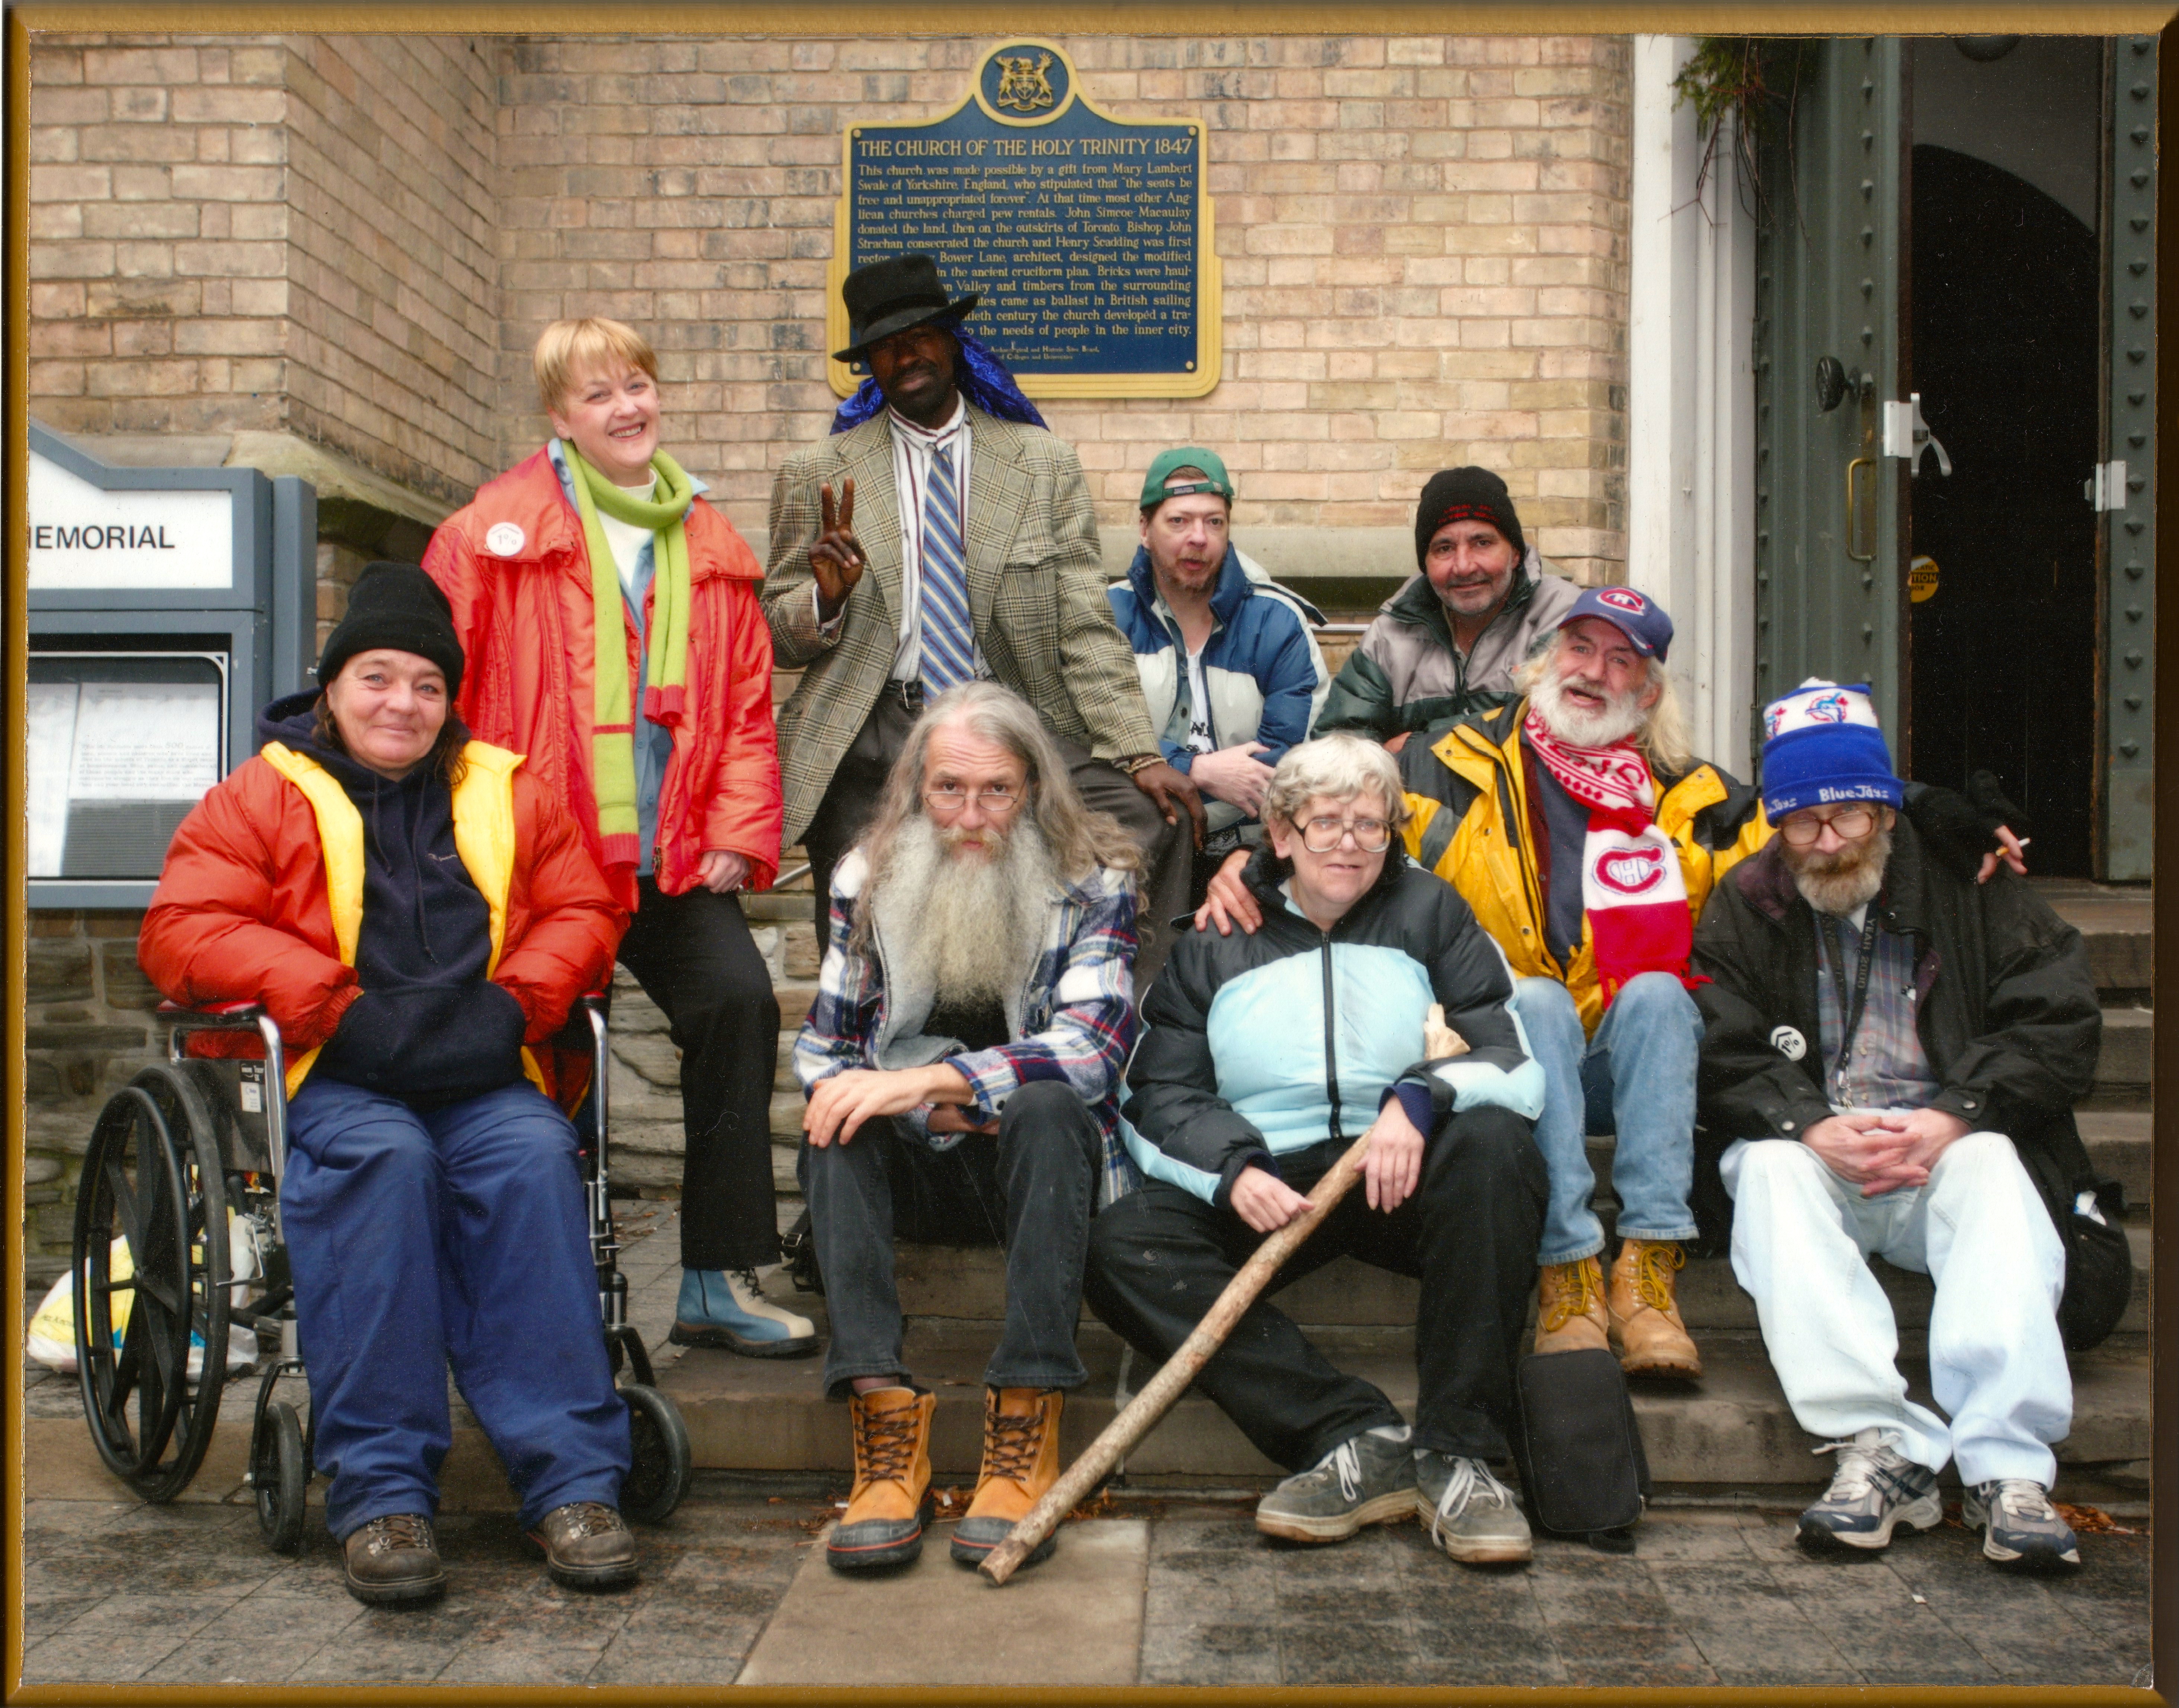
261	901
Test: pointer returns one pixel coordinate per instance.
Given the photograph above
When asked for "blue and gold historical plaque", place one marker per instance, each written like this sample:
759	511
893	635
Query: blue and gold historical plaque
1087	237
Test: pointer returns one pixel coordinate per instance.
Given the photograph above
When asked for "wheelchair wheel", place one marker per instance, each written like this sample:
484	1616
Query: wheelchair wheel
279	1475
150	1228
661	1463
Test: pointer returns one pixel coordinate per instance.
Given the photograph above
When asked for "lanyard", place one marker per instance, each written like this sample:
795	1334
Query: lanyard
1860	981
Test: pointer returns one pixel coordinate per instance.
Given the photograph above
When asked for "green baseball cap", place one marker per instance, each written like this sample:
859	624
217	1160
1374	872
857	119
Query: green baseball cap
1155	492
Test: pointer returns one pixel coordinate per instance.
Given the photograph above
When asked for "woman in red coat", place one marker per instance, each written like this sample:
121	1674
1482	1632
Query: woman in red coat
416	914
611	619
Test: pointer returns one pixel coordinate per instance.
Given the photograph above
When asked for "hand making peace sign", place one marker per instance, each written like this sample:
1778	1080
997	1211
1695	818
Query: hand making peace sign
836	556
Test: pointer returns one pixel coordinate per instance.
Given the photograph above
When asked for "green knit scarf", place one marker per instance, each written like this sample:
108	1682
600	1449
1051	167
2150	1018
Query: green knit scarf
612	729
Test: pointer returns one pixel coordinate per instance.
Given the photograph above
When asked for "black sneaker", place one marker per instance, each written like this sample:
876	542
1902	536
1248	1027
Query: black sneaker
2020	1527
1874	1489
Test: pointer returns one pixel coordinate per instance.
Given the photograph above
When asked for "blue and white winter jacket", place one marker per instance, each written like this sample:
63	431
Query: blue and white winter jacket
1262	664
1255	1046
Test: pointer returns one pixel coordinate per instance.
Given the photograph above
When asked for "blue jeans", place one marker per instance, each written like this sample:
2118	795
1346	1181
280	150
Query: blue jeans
1635	1078
453	1236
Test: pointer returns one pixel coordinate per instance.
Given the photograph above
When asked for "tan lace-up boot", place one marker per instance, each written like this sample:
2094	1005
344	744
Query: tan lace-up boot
883	1524
1570	1306
1646	1325
1021	1462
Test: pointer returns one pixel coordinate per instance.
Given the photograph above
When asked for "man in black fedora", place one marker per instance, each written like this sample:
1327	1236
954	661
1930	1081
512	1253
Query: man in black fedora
940	534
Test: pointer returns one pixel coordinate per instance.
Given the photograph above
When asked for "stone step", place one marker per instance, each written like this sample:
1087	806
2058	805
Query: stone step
1732	1427
956	1283
2124	1069
2115	923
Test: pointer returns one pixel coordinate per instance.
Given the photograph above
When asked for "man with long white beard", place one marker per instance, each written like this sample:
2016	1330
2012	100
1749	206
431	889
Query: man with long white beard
974	1014
1576	825
1895	1057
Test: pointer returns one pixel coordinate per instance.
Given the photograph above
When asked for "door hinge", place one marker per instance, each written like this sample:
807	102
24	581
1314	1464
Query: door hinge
2105	489
1906	434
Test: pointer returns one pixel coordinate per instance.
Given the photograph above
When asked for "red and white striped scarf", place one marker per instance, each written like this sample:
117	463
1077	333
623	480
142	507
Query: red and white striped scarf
1631	888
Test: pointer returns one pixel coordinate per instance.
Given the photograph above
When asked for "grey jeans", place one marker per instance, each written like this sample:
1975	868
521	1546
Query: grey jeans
1031	1189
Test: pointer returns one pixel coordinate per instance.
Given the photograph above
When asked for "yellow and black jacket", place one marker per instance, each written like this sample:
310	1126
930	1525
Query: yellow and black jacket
1469	793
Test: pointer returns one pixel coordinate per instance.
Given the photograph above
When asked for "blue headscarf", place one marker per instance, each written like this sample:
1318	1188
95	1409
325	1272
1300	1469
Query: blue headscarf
981	377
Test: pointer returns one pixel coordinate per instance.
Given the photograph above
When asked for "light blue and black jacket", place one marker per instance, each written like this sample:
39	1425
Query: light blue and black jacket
1255	1048
1261	664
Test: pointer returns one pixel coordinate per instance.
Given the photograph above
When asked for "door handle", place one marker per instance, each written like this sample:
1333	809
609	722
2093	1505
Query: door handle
1855	511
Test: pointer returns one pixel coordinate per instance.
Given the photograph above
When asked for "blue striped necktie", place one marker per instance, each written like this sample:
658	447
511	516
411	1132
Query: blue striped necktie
949	639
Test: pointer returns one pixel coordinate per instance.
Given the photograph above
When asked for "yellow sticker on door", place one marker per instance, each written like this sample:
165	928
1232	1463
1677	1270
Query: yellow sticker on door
1922	580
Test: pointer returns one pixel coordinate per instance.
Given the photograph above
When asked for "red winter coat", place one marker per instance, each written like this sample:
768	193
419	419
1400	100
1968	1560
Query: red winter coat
513	565
244	912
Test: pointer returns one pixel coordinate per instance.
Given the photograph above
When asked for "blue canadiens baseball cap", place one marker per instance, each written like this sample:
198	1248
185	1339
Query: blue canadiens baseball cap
1637	616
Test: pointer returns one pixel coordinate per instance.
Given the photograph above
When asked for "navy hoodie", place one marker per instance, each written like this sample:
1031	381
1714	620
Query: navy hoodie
430	1028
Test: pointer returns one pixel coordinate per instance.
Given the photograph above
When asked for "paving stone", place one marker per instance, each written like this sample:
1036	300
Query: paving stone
1074	1619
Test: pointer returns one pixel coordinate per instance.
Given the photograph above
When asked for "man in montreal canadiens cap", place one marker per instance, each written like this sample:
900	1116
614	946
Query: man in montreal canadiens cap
1893	1056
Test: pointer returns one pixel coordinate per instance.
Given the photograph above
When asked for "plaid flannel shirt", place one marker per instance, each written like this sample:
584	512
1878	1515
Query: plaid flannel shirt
1073	1019
1888	1070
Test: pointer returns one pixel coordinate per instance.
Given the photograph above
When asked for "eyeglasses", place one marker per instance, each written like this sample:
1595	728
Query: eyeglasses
997	801
1322	835
1852	823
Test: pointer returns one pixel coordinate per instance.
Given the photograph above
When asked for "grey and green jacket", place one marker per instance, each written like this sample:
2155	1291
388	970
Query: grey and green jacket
1405	675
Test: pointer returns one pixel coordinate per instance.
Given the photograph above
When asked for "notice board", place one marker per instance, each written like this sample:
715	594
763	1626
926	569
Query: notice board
1087	238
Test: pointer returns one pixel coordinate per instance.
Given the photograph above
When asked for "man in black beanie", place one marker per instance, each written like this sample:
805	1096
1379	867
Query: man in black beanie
1446	644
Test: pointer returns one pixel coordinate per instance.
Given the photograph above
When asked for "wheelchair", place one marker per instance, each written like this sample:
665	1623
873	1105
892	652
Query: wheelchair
199	1142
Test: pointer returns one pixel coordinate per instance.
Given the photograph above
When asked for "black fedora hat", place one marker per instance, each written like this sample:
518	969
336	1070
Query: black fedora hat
890	296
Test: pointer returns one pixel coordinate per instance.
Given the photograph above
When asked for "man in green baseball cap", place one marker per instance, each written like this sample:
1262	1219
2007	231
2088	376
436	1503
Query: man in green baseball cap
1229	668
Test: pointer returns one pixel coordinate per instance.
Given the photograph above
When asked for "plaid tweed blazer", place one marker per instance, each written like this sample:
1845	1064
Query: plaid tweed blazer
1036	595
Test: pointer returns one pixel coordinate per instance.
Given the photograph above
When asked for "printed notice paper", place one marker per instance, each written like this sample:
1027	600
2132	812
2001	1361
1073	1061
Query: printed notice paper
144	741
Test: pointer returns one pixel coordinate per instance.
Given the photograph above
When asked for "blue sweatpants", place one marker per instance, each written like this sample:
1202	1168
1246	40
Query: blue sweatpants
455	1237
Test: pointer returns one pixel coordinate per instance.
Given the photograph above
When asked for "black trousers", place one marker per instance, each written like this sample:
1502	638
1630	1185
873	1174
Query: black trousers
1031	1189
1160	1256
694	955
851	800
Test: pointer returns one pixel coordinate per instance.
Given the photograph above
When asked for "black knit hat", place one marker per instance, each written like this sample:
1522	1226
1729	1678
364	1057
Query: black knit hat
395	604
1457	495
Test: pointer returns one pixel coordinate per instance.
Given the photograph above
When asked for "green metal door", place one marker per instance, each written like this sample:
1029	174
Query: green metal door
1830	516
2127	495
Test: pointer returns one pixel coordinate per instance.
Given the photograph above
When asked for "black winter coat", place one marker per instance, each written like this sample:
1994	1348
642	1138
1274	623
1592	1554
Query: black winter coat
2006	1011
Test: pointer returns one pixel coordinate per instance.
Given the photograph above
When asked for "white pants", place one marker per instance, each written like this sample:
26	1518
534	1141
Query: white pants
1800	1238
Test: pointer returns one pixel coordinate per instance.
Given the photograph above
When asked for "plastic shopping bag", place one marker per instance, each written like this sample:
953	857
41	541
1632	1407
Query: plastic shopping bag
52	1338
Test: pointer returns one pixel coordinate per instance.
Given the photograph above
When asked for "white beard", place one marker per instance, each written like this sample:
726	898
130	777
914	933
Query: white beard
1622	716
978	924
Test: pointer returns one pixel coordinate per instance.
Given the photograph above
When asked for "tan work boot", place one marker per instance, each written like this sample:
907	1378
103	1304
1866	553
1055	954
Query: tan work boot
883	1524
1646	1330
1570	1306
1021	1462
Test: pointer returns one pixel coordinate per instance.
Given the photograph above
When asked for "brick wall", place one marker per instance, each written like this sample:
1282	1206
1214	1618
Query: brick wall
286	234
90	1026
1424	244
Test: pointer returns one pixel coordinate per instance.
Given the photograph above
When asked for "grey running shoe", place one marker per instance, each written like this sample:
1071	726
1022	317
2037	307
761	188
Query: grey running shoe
2020	1527
1366	1480
1471	1515
1874	1489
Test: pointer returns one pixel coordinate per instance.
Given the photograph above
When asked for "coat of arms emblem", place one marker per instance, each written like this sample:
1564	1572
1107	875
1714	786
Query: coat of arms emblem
1023	86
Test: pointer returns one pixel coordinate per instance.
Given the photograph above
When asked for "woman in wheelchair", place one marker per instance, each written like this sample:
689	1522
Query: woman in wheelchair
415	913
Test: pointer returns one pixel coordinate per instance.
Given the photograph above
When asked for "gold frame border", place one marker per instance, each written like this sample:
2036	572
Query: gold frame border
1210	276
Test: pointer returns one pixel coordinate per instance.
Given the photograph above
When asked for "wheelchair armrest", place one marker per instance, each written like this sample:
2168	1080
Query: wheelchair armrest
236	1015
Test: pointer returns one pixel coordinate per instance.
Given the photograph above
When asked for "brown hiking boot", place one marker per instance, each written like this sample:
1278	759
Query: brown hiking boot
1570	1306
883	1524
393	1558
1646	1330
588	1545
1021	1462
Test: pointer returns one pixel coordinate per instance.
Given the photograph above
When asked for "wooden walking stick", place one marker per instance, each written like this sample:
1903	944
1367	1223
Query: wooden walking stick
1156	1395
